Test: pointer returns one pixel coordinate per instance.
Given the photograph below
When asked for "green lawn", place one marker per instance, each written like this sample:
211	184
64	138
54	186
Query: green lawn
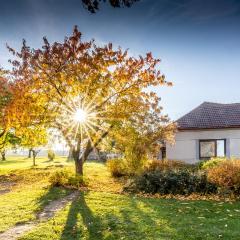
102	213
14	163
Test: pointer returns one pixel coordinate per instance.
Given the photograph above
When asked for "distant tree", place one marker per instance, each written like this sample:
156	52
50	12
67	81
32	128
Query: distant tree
3	154
29	153
93	5
51	155
83	90
10	142
33	138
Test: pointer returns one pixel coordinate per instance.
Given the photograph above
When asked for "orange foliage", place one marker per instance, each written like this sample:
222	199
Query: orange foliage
108	79
226	175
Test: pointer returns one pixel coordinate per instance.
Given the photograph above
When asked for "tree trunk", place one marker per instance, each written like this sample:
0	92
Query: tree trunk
30	153
79	166
34	154
3	154
79	161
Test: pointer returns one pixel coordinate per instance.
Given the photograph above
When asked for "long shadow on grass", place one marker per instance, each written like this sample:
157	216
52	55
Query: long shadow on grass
143	218
79	208
53	193
130	220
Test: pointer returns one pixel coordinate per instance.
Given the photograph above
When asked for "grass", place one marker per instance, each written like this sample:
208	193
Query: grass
97	215
14	163
102	213
29	190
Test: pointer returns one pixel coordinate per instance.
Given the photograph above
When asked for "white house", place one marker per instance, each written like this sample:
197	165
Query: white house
210	130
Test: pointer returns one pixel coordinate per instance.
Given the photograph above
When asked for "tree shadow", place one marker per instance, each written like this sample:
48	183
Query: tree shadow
127	216
130	222
141	220
48	161
79	208
53	193
132	219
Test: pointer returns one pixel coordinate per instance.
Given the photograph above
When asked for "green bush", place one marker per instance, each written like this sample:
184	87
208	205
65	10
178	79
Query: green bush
180	181
116	167
66	178
211	163
51	155
226	175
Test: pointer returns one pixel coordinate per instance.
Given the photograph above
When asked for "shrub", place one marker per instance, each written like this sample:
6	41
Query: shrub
51	155
182	182
59	178
116	167
199	164
76	181
226	175
164	165
66	178
211	163
134	161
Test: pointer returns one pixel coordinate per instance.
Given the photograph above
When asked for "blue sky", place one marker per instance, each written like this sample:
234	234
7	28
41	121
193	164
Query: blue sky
198	41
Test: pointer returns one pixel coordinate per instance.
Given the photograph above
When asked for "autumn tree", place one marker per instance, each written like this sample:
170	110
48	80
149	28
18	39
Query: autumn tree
5	98
83	90
141	138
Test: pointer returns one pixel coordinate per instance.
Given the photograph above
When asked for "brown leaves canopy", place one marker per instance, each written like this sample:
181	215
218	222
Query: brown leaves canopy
114	83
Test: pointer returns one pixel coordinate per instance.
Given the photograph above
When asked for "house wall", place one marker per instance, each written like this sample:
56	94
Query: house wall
186	147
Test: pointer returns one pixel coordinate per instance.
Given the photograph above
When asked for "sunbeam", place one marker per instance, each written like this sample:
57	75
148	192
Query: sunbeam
79	117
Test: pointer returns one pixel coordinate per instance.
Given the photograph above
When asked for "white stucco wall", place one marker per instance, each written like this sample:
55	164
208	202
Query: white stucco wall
186	147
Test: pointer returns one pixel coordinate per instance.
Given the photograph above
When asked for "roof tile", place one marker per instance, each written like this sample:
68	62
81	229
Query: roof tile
210	116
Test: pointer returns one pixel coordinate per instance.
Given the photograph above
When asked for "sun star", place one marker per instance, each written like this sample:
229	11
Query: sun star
80	115
80	119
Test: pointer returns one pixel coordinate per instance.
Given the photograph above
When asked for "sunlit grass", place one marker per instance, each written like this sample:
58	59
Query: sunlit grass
14	163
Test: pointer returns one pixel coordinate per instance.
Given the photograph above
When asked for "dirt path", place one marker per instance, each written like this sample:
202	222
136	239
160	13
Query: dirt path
47	213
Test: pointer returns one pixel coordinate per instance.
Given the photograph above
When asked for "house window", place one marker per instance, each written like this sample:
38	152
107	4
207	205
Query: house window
212	148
